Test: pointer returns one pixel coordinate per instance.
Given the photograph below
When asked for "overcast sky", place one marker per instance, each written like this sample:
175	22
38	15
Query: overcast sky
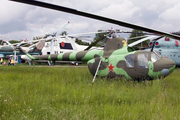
20	21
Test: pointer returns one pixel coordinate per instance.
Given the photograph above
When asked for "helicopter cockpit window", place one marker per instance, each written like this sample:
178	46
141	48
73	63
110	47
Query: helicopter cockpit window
55	43
157	53
142	61
66	46
130	60
154	57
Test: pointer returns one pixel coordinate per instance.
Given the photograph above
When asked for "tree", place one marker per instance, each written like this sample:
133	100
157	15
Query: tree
80	42
14	41
102	36
1	41
64	33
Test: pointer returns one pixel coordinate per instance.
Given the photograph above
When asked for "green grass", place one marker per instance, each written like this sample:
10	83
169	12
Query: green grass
67	93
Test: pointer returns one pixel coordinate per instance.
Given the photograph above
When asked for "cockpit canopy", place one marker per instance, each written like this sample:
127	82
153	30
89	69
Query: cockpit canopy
142	59
154	57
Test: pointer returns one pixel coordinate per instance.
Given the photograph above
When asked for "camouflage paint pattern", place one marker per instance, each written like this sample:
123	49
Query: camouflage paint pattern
113	61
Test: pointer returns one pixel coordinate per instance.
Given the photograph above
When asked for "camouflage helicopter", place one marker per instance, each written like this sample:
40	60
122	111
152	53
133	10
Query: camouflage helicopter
116	59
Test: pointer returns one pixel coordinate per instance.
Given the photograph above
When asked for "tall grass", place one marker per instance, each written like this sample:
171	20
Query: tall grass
67	93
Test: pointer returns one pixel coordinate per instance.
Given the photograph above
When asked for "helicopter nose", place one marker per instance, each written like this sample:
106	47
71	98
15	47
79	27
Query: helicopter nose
163	64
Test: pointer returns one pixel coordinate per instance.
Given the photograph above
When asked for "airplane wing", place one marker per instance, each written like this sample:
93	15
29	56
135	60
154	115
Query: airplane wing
97	17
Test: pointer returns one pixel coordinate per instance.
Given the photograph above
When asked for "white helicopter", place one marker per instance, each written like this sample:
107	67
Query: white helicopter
62	44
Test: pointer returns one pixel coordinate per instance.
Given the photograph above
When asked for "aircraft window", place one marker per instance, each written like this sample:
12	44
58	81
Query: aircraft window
66	46
55	43
47	45
154	57
55	52
158	53
142	61
130	60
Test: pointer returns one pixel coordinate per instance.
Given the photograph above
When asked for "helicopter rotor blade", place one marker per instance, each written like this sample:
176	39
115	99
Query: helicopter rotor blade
62	27
93	16
94	43
142	40
155	42
136	37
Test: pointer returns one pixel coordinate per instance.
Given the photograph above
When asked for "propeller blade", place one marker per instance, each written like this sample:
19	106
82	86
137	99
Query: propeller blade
93	16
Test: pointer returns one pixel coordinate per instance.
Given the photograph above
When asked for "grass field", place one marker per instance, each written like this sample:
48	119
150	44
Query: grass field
66	93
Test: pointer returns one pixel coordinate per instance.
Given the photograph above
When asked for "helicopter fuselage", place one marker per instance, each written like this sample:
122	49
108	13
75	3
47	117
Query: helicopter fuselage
168	48
117	60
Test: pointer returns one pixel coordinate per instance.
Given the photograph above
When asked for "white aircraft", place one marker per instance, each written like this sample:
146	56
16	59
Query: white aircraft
61	45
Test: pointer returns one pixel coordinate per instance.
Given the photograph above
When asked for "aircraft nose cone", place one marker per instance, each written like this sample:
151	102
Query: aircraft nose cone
170	63
165	72
163	63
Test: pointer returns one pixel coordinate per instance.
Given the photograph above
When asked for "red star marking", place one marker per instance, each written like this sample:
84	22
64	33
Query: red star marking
111	68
